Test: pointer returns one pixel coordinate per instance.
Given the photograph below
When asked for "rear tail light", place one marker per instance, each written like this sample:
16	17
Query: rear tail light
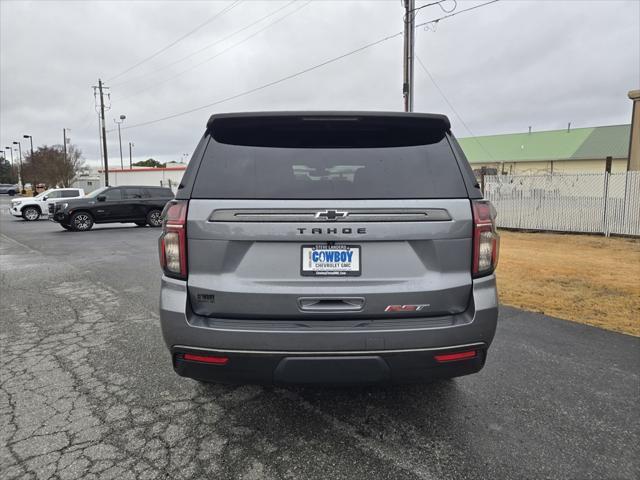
173	241
486	240
455	357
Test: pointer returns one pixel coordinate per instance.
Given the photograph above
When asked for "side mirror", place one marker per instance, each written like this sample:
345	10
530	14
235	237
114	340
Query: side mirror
44	199
101	198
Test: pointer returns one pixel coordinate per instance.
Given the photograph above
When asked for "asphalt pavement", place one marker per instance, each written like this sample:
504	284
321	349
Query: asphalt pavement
87	389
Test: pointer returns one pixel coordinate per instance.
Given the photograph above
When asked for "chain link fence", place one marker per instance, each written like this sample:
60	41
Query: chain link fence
607	203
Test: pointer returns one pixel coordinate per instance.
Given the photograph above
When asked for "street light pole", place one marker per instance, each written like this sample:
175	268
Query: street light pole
130	164
20	179
122	117
12	165
30	140
10	151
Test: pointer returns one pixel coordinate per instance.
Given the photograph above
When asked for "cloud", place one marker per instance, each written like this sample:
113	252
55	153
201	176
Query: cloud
503	67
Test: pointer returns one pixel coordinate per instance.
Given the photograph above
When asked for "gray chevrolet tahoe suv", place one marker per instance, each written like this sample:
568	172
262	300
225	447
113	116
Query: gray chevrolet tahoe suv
328	247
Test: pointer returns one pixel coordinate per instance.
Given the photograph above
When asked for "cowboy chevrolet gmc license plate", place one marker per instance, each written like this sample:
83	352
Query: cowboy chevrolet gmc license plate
331	260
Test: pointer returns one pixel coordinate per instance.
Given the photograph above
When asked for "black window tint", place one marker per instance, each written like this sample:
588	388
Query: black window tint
161	192
416	171
134	193
69	193
113	194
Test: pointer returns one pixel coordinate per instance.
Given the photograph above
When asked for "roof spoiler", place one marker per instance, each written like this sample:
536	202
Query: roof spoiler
328	129
435	119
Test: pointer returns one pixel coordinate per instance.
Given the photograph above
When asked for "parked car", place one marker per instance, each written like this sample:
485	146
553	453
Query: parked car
32	208
321	247
8	189
141	205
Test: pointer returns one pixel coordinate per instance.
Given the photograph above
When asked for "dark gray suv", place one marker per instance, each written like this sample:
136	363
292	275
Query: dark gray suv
328	247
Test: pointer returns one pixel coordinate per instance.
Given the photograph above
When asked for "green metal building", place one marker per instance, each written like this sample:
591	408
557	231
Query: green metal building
571	150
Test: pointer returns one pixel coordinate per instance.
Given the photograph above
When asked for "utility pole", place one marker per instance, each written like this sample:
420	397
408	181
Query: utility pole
409	44
130	164
101	89
64	144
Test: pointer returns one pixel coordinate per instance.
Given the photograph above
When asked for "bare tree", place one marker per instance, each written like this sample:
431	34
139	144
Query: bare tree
71	167
48	165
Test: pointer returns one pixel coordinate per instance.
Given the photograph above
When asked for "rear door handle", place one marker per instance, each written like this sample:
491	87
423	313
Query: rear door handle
330	304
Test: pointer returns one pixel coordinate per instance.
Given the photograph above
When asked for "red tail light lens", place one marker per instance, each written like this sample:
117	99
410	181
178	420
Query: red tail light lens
454	357
173	241
486	241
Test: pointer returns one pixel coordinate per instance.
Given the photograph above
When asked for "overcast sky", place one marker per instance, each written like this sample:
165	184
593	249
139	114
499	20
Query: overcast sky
503	67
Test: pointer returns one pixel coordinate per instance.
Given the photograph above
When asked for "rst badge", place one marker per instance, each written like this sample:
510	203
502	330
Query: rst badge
406	308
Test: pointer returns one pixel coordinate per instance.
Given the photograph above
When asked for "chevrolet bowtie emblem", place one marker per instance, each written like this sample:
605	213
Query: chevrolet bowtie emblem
331	215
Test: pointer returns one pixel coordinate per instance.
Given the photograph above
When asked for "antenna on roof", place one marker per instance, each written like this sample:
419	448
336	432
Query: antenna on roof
569	127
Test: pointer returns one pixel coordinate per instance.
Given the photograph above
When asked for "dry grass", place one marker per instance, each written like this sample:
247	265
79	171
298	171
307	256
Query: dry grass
586	279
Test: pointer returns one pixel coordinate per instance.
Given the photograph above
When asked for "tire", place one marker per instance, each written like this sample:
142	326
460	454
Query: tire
81	221
141	224
11	193
30	214
66	227
154	218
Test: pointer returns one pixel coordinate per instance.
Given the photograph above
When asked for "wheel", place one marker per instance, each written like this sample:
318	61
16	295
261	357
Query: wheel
154	218
141	224
11	193
30	214
66	227
81	222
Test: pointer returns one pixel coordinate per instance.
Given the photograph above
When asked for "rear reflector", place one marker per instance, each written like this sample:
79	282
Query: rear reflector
206	359
452	357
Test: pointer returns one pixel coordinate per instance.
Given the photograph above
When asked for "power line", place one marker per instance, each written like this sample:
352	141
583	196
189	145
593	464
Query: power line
436	20
270	84
269	25
298	73
220	40
167	47
439	4
455	112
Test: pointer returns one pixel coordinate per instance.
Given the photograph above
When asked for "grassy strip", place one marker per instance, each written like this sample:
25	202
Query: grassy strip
583	278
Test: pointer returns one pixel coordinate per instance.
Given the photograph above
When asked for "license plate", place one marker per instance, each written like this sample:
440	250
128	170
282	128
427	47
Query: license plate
331	260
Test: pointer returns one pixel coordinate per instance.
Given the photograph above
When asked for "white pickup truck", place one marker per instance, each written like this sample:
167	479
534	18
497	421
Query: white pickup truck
32	208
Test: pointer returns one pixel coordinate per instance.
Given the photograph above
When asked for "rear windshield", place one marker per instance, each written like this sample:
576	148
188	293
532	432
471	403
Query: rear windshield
336	171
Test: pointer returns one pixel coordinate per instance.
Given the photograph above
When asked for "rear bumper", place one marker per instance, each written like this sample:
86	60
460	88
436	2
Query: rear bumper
335	368
355	351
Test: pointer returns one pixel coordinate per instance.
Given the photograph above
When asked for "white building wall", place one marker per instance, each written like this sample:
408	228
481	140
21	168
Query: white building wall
165	177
